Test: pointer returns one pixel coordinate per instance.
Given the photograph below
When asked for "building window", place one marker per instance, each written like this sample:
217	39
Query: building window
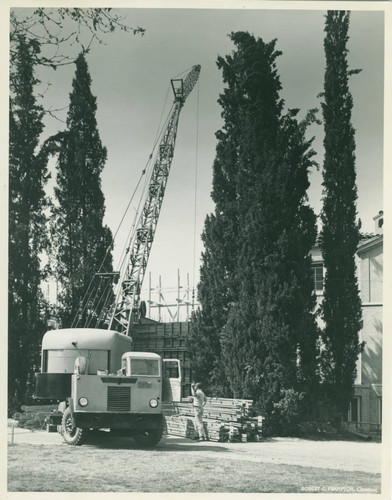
318	277
354	410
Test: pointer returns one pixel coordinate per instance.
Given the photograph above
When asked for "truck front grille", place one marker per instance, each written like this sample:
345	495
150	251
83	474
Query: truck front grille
119	399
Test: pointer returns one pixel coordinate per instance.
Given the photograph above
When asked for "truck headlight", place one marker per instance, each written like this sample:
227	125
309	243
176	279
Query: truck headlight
153	403
83	401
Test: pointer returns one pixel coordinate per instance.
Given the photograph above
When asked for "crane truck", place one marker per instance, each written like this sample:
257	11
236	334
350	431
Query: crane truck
100	382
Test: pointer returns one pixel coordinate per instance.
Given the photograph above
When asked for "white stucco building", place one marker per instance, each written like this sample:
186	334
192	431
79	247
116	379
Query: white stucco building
365	411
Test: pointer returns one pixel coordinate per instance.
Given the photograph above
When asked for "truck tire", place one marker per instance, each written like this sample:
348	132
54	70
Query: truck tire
148	437
72	435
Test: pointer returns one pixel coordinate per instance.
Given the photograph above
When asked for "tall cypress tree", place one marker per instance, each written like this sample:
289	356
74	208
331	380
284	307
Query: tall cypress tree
341	307
256	89
81	238
272	327
263	230
27	224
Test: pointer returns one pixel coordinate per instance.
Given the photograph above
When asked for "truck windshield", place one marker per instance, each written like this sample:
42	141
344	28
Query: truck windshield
144	367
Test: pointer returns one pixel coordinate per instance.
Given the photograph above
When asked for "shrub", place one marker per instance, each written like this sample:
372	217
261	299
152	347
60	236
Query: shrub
285	415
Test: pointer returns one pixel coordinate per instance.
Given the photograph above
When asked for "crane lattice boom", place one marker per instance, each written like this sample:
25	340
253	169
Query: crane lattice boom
131	279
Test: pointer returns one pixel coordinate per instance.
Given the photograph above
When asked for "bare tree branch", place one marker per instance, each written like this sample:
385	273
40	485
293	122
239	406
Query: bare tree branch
51	34
59	28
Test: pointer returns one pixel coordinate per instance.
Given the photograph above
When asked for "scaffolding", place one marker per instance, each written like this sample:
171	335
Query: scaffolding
171	304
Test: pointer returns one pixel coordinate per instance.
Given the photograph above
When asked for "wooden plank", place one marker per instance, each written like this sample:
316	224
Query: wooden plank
38	408
217	431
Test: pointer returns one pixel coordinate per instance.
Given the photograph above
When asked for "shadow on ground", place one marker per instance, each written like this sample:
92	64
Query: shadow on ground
106	440
187	445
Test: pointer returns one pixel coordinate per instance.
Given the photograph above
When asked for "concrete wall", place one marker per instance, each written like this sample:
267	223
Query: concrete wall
169	341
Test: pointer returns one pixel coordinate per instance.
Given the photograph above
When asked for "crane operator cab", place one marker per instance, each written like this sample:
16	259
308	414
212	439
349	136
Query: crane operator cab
127	400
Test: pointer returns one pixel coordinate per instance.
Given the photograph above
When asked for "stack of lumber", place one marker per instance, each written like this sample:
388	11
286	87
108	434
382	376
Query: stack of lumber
224	420
180	426
34	417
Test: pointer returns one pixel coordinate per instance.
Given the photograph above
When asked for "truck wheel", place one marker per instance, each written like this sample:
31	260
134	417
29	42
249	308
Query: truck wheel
72	435
148	437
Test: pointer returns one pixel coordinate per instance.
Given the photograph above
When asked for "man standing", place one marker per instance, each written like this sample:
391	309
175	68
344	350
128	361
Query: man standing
199	401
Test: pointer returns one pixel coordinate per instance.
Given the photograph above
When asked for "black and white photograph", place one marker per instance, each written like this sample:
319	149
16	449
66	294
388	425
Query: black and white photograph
193	278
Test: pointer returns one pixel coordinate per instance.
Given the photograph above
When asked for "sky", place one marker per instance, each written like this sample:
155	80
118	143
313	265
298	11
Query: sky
131	79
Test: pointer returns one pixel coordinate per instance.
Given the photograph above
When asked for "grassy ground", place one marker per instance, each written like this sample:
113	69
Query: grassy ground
37	467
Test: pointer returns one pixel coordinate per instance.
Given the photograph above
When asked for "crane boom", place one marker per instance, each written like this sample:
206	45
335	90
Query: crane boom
128	294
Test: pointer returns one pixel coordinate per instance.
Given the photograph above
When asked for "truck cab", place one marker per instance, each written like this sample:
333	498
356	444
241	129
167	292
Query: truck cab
108	388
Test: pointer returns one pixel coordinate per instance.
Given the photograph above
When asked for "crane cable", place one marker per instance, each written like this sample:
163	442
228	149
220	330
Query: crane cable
195	195
129	239
147	169
182	73
89	291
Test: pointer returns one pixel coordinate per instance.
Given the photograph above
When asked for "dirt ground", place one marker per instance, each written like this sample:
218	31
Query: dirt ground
273	465
342	455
